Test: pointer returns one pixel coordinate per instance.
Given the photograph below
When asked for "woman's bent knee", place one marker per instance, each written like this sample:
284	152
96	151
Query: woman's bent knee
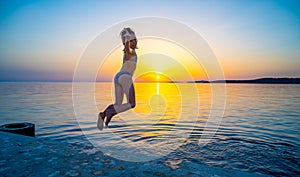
132	105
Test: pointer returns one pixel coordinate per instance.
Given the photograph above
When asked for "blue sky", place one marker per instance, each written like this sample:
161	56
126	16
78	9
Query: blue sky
42	40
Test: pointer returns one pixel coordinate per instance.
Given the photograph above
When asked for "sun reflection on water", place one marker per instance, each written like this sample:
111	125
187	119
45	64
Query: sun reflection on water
160	107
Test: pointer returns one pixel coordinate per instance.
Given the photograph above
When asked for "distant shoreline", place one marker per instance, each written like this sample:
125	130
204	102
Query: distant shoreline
257	81
250	81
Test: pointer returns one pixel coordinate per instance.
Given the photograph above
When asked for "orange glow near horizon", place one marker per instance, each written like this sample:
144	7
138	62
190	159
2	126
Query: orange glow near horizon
153	77
154	98
159	60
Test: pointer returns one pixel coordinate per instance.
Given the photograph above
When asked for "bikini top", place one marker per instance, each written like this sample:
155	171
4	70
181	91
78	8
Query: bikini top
133	59
129	65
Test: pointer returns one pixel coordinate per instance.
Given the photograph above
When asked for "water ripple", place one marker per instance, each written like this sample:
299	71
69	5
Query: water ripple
259	131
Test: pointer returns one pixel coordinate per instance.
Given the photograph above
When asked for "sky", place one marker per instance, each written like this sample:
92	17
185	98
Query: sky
43	40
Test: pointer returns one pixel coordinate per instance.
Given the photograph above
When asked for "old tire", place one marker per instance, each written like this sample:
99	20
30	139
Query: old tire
27	129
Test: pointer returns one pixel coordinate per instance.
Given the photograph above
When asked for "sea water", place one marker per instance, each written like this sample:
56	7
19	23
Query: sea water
259	130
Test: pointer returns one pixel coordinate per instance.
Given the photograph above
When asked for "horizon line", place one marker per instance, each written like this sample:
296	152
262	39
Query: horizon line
192	81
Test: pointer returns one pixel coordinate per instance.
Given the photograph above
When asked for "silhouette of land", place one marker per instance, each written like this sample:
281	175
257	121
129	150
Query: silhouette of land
257	81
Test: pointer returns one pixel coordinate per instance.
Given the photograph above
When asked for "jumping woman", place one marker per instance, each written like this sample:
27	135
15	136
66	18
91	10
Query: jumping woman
122	80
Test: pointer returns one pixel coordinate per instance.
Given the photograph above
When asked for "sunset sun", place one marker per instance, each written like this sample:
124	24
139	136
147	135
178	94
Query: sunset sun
153	77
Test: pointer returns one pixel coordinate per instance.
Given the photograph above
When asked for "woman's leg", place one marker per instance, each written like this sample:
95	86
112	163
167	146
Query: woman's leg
110	110
128	89
119	95
126	84
130	94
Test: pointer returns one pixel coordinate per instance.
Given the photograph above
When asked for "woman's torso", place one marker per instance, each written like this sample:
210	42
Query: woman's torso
129	65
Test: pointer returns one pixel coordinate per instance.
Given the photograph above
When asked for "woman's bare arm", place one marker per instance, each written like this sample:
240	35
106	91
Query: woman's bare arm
128	52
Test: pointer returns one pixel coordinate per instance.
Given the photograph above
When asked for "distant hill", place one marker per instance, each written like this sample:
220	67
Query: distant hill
258	81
